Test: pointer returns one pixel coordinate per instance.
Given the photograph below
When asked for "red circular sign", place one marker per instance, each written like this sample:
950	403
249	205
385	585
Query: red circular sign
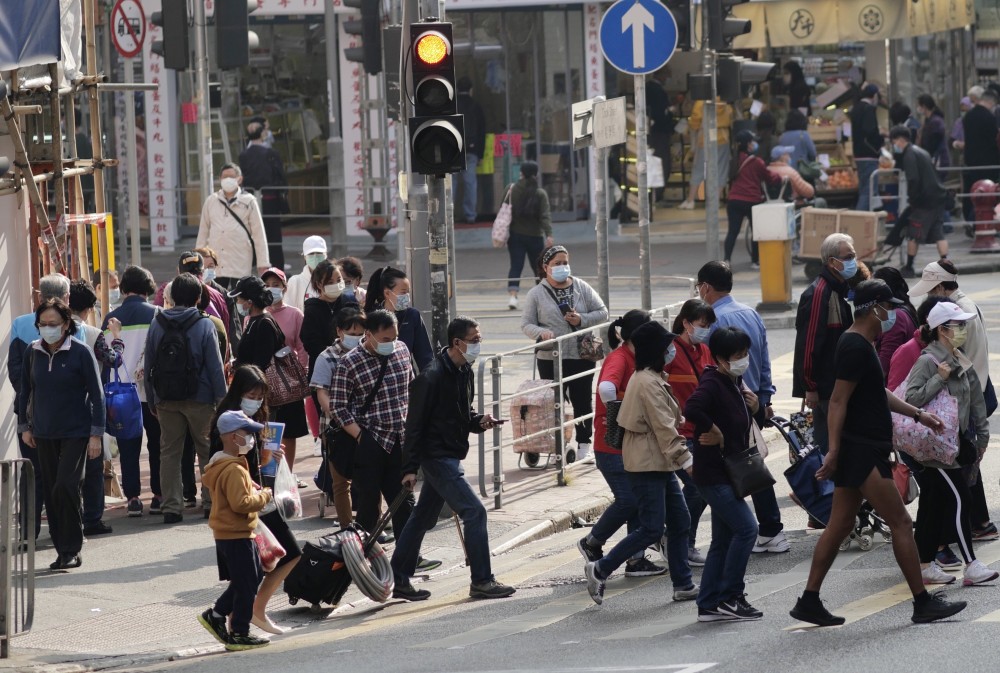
128	27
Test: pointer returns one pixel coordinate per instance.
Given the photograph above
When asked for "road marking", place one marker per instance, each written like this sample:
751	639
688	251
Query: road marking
991	617
673	668
548	614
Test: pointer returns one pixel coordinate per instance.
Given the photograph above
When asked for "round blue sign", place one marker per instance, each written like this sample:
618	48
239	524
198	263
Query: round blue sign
638	36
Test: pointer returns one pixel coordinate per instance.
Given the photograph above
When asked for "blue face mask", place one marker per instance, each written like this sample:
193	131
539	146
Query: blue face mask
670	355
753	147
385	348
890	320
560	273
897	149
701	335
351	341
850	268
402	302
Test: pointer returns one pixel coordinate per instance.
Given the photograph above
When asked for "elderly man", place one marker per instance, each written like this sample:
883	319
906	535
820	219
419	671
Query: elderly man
823	316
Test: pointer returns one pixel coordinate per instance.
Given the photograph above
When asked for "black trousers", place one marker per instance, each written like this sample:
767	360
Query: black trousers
943	513
32	455
979	511
378	474
737	211
579	391
272	209
240	563
62	463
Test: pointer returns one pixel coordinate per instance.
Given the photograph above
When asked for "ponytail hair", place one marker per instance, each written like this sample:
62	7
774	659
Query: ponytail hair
620	331
384	278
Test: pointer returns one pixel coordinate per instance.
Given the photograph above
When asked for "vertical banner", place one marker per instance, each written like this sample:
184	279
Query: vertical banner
350	115
156	133
594	60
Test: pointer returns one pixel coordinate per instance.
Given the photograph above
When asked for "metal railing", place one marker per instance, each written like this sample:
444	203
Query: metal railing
876	198
17	550
494	400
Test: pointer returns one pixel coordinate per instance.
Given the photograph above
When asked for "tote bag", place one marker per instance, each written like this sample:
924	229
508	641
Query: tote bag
124	410
501	225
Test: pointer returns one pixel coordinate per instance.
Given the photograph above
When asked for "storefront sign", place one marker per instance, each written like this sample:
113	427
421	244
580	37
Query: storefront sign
871	19
798	23
297	7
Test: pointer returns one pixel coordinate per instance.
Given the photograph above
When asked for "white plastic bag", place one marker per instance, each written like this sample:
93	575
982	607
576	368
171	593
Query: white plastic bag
286	493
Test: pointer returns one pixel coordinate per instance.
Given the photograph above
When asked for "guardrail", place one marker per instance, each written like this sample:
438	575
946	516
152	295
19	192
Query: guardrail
494	400
17	550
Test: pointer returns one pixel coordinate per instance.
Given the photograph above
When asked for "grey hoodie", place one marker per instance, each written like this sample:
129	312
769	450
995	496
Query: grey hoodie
203	341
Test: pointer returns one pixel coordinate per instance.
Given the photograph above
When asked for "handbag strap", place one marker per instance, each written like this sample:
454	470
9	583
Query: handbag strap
556	300
694	367
378	383
246	230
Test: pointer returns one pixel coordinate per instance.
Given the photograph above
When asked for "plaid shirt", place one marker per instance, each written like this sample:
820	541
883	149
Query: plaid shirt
353	380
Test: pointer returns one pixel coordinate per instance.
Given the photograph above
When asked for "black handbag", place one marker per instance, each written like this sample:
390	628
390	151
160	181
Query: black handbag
613	433
747	472
340	445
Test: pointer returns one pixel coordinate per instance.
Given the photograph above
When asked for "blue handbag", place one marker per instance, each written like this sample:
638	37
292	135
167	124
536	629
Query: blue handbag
123	408
816	497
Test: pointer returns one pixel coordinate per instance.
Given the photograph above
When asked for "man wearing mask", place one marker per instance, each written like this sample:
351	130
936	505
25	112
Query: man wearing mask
438	422
823	316
231	224
927	197
299	286
979	126
193	263
264	172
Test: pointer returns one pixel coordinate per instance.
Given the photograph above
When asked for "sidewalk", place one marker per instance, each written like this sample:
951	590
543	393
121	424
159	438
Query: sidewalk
136	598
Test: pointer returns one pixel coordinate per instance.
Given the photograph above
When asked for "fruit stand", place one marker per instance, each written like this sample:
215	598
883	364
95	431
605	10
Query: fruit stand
841	186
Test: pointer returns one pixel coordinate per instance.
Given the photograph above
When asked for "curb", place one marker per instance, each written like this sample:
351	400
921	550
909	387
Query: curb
560	521
127	661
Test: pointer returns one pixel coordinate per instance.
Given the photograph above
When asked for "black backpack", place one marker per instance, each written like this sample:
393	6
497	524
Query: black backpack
173	372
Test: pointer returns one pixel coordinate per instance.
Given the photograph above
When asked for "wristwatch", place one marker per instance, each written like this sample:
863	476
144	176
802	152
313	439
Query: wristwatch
916	415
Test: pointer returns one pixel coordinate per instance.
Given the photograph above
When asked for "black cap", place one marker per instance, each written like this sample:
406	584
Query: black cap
191	262
250	288
871	292
745	137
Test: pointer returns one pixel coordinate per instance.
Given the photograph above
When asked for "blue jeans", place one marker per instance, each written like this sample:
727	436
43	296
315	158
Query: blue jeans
678	522
695	503
734	533
865	169
520	246
469	185
625	507
650	493
444	482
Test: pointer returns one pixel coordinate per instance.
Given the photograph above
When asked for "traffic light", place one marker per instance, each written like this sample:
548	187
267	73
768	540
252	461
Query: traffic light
369	28
722	27
437	132
233	37
173	48
737	75
681	9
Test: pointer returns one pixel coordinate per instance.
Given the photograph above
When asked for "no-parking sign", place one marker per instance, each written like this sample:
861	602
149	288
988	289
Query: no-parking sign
128	27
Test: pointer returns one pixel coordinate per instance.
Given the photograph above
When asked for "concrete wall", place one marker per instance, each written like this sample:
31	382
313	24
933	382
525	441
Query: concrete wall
15	297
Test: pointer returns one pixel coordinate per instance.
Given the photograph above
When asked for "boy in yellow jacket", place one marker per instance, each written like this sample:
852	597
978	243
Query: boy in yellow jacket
235	503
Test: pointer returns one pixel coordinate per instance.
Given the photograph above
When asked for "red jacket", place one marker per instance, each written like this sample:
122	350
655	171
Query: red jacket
685	372
618	368
751	172
903	359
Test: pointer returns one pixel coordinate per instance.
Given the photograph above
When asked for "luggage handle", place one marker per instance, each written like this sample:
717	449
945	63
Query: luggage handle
383	521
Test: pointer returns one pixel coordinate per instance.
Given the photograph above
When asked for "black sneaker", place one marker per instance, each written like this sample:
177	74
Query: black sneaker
215	625
385	538
190	503
814	613
170	517
426	565
738	608
156	505
643	568
589	552
749	609
134	508
66	561
491	589
408	593
935	608
244	641
714	615
98	528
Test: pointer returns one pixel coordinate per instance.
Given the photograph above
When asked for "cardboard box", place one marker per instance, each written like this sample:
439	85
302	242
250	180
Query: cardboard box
549	163
817	224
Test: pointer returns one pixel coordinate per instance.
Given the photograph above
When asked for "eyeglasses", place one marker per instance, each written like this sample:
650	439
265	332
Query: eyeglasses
954	325
848	258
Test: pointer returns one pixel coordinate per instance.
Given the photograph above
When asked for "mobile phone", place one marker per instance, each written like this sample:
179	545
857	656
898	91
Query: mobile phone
565	308
500	421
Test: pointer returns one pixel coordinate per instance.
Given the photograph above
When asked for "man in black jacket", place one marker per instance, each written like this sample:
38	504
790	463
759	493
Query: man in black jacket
264	171
867	141
438	422
927	197
475	137
980	127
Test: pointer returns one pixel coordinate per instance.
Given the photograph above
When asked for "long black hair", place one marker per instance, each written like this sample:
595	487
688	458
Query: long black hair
627	324
246	378
692	311
900	289
384	278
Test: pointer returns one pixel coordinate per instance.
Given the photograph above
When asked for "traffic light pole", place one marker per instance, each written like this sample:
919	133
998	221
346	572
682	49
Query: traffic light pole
710	127
437	231
202	101
640	169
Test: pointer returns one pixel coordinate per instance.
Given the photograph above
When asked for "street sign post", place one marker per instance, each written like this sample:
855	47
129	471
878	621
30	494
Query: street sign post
639	37
128	31
128	27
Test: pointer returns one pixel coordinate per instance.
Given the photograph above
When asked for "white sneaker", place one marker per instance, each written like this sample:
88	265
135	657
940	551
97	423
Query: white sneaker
318	448
933	574
755	266
774	545
695	558
686	205
595	585
512	302
688	594
584	453
978	573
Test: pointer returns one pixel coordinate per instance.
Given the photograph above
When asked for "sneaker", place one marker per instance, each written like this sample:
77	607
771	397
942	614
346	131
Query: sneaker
134	507
686	205
512	302
814	612
774	545
190	503
156	505
643	568
408	593
946	559
661	547
739	609
933	574
714	615
908	272
935	608
688	594
244	641
985	533
978	573
583	453
317	448
491	589
595	585
170	517
589	552
755	266
98	528
215	625
385	538
426	565
695	558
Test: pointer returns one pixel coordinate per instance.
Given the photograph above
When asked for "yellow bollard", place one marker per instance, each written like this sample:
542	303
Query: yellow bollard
774	230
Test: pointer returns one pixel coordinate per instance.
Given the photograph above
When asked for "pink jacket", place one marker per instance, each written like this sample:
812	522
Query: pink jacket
903	360
800	188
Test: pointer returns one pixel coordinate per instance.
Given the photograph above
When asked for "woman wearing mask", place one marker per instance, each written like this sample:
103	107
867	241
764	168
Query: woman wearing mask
558	305
248	393
350	329
300	285
354	276
318	317
616	372
944	503
693	325
906	317
745	191
652	450
721	409
389	288
530	226
61	413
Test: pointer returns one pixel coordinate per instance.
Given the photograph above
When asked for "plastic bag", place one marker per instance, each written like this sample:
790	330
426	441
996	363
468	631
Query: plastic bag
286	493
268	547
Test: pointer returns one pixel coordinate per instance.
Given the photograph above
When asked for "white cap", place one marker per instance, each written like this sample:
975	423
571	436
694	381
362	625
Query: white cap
934	274
314	244
946	311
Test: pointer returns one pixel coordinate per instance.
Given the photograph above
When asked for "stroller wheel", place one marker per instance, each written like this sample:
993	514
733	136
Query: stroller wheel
846	544
530	459
866	542
887	536
570	456
292	600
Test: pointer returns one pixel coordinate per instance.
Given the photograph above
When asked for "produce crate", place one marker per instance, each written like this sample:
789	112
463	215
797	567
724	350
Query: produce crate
823	133
839	179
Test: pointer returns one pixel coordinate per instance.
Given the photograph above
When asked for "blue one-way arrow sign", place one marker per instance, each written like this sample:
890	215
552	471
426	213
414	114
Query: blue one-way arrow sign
638	36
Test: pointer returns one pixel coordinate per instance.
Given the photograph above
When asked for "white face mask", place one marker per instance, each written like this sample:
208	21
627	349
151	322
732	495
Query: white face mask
209	275
247	446
472	352
334	290
230	185
249	406
276	292
51	335
114	296
739	367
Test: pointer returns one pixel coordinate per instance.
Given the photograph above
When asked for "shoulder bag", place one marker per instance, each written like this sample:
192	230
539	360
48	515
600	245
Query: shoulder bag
590	345
501	225
246	230
614	435
341	447
906	482
746	470
286	379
